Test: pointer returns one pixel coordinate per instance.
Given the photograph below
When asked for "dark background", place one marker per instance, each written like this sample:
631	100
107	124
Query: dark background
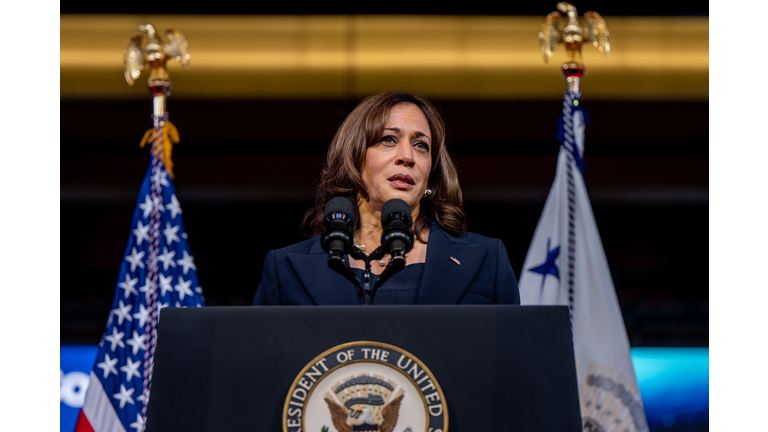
245	173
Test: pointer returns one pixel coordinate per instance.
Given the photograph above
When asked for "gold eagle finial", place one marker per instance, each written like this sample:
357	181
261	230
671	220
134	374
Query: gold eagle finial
572	31
155	53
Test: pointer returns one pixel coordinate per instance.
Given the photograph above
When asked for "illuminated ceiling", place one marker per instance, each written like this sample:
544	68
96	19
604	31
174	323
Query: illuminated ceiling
461	57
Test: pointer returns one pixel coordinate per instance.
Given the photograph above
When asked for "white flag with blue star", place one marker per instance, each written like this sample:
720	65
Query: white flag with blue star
566	265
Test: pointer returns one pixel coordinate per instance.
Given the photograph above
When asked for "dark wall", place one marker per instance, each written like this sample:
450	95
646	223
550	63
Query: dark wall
245	172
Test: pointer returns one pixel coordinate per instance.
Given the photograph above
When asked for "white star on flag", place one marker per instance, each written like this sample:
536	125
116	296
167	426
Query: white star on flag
174	207
157	204
145	288
124	396
141	232
184	288
161	177
142	315
139	423
135	259
167	258
146	206
137	342
128	285
123	313
187	262
131	369
108	365
115	339
144	397
165	284
171	233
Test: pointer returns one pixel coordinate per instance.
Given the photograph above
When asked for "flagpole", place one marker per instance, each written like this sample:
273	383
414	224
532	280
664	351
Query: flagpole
119	386
567	28
163	135
566	263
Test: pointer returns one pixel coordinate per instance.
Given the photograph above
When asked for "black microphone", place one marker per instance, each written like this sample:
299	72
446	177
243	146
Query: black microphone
337	236
397	235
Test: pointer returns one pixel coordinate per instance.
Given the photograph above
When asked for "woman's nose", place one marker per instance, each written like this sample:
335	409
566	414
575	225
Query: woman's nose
405	154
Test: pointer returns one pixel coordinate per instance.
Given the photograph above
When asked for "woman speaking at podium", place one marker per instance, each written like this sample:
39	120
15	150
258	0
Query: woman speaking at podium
392	145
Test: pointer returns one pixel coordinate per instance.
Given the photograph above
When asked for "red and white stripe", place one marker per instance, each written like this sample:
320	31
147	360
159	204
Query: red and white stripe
98	414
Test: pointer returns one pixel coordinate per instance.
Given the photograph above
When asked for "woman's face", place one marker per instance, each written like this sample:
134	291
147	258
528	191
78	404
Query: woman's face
398	165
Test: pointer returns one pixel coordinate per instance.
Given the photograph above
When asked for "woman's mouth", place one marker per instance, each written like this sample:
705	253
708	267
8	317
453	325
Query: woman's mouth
402	181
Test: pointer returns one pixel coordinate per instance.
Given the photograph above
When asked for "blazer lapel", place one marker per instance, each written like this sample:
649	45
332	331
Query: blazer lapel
324	286
445	281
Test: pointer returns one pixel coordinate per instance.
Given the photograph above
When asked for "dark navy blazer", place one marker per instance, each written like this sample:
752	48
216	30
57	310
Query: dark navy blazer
299	274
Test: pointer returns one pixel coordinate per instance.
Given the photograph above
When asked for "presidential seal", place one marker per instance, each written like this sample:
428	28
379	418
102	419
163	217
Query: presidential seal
365	386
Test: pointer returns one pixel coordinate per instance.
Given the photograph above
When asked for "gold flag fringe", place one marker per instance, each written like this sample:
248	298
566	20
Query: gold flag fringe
170	136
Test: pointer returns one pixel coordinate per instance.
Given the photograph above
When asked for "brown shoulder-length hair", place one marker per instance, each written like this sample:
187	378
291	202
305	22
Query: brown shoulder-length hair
364	127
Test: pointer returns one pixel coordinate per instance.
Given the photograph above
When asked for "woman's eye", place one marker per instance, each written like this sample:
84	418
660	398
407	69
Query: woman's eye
388	139
422	145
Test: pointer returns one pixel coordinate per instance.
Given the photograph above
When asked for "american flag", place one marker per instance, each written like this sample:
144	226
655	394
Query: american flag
157	271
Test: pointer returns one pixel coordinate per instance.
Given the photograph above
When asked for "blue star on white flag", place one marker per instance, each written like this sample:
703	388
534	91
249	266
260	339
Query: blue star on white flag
549	266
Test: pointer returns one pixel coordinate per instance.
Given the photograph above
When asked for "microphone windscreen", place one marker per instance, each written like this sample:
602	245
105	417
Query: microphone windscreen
395	205
340	204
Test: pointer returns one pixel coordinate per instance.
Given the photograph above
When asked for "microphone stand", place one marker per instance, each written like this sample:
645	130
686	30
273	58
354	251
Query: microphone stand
338	264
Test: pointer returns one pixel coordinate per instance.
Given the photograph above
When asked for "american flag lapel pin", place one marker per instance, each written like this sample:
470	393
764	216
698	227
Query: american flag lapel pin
455	260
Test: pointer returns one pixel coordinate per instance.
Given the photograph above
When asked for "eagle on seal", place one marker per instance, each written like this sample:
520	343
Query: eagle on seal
360	416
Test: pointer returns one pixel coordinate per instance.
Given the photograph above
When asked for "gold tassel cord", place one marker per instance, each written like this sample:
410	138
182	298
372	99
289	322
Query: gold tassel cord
170	136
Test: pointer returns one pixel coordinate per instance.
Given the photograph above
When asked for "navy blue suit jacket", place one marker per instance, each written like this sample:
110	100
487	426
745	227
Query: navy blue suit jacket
299	274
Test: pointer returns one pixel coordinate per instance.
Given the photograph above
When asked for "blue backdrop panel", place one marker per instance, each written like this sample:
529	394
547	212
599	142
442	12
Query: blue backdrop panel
674	384
76	363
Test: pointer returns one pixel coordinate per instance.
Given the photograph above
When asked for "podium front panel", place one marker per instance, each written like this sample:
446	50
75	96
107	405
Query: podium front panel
230	368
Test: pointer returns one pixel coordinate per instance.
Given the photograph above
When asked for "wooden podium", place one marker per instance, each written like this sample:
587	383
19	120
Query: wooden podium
501	368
